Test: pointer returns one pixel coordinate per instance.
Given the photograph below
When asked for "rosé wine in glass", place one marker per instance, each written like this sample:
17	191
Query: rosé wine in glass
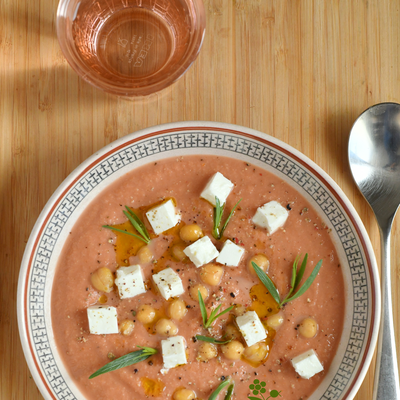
130	47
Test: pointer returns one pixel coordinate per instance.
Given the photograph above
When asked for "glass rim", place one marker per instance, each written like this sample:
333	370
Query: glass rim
87	75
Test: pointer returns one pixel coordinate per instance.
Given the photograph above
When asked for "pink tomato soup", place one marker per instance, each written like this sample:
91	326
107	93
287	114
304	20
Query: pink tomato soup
89	246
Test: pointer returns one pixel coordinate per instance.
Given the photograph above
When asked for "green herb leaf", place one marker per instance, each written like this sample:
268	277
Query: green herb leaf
293	281
229	218
207	322
203	309
126	232
214	312
294	273
219	315
126	360
137	224
218	212
217	391
266	281
301	272
229	392
307	283
212	340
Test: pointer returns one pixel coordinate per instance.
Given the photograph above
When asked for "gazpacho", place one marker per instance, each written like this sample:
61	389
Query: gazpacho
194	275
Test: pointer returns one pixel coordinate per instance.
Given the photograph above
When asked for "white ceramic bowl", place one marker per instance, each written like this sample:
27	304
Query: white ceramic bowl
91	177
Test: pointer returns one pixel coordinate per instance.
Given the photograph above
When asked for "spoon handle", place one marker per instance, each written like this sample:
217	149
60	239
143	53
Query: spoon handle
386	384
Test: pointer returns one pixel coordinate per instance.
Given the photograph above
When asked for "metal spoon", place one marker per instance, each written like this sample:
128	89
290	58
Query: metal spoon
374	156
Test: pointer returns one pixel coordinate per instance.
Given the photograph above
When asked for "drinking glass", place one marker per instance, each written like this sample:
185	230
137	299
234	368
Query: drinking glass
130	47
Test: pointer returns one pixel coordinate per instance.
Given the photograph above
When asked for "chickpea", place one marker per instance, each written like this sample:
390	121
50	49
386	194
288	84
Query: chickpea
103	280
211	274
231	332
145	255
275	321
184	394
256	353
239	310
166	327
194	292
308	327
207	351
146	314
177	252
232	350
103	299
177	309
261	260
126	327
190	233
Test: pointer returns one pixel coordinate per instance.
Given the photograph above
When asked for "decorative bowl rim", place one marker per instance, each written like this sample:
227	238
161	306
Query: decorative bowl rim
160	130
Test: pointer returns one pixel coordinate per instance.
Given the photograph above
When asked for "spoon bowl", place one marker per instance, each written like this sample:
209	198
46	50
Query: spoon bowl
374	156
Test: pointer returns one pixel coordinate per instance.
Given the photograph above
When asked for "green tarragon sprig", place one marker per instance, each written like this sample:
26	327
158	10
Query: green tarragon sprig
136	223
212	340
222	386
296	279
207	321
128	359
218	212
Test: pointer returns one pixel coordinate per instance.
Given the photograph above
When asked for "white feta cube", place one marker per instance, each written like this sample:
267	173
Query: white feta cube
201	252
163	217
251	328
169	283
230	254
130	281
271	216
102	320
174	351
307	364
217	186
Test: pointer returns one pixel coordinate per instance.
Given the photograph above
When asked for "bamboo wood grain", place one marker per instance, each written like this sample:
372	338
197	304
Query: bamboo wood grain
299	70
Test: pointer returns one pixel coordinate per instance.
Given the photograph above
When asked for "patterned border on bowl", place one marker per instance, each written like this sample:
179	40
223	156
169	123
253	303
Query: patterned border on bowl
38	268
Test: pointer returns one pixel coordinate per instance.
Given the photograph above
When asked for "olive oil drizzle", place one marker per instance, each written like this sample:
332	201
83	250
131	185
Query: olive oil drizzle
152	388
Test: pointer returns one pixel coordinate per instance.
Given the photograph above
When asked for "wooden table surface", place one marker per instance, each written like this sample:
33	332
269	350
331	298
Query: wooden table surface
299	70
